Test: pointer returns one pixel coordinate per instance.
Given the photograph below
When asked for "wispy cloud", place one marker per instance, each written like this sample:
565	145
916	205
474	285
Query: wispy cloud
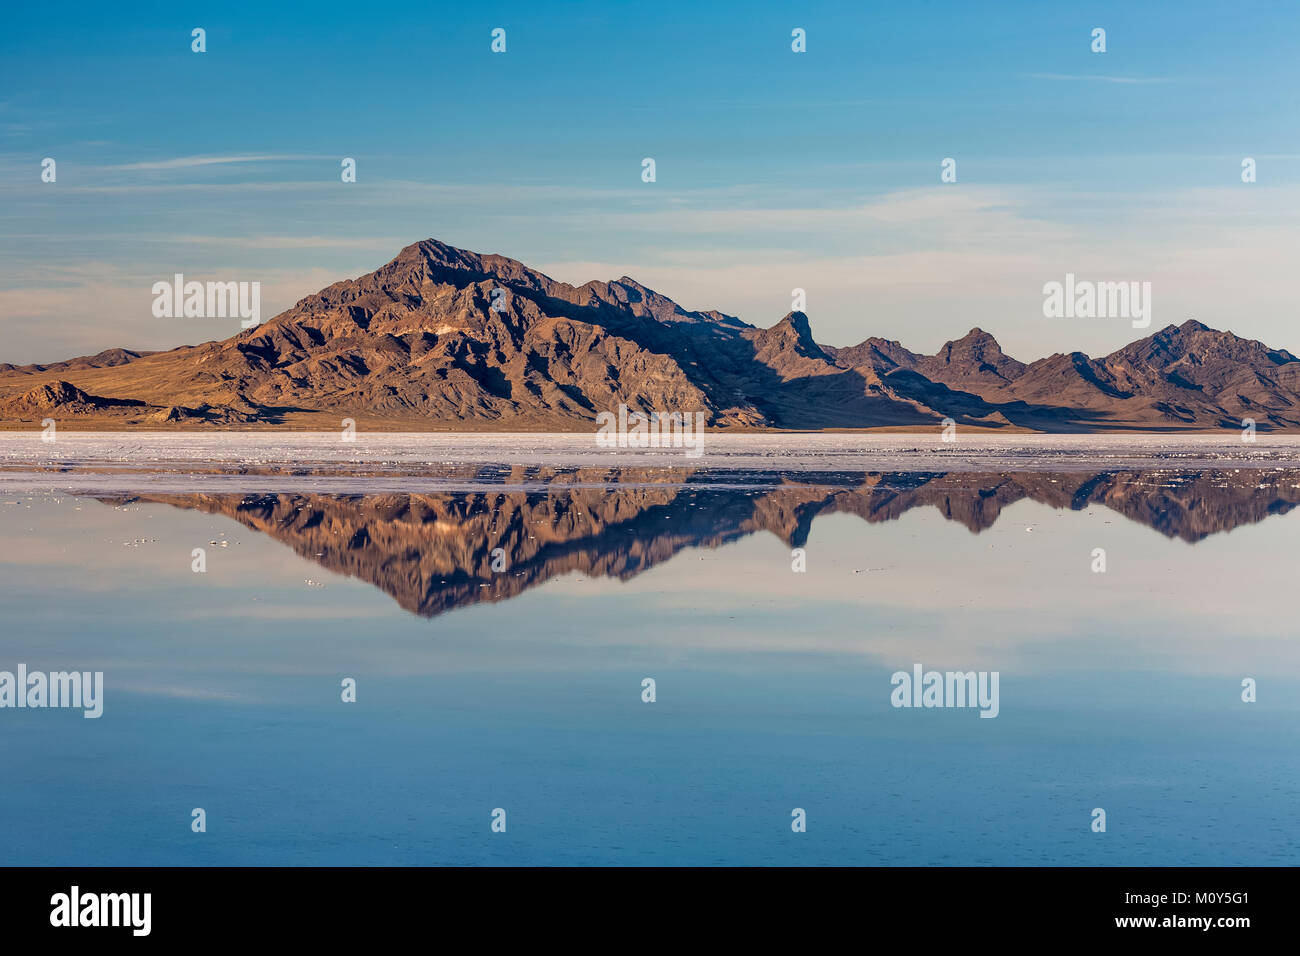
177	691
388	244
1101	78
276	188
187	162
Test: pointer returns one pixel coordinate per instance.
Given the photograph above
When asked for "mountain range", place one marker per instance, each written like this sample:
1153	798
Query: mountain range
445	339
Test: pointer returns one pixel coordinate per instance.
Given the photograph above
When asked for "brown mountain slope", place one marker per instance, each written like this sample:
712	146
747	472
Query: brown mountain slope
1181	376
443	338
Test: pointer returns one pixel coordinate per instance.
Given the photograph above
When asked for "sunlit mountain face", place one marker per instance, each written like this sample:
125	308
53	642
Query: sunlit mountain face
442	337
432	552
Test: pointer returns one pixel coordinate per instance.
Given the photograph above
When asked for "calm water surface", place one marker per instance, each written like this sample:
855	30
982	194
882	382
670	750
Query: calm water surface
520	687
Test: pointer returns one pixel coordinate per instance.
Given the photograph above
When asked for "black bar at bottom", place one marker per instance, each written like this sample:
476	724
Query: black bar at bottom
338	905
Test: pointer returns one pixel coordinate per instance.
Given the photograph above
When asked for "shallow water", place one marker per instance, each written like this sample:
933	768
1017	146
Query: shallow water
520	687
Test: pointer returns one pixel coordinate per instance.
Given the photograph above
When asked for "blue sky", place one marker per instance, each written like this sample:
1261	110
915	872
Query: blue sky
774	170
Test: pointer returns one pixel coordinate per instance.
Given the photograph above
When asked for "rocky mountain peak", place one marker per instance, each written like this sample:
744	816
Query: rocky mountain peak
448	338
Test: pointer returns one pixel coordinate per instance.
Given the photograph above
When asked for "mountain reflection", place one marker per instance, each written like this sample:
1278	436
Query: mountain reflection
433	552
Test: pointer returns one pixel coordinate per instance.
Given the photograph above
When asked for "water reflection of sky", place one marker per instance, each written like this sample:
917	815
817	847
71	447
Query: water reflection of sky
1118	690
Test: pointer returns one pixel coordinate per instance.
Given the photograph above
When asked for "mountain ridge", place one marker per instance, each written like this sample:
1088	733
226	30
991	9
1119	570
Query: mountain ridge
445	338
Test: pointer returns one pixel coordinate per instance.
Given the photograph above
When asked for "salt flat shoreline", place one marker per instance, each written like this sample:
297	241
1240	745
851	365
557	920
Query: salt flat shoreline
376	462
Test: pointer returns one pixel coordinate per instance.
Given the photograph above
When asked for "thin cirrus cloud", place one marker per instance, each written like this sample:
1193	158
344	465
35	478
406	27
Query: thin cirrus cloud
1100	78
292	242
189	162
233	242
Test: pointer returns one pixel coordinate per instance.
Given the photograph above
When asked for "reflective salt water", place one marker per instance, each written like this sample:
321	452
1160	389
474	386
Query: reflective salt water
499	636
